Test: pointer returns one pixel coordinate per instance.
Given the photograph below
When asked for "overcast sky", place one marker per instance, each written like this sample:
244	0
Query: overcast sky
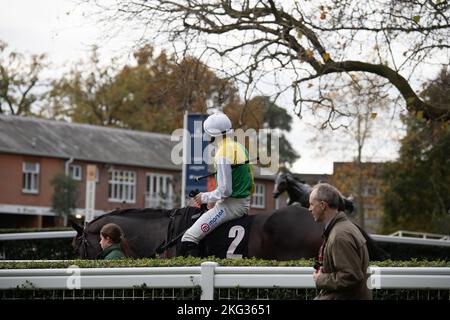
52	27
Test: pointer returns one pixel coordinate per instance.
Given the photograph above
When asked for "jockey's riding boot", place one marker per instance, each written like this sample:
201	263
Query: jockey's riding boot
189	248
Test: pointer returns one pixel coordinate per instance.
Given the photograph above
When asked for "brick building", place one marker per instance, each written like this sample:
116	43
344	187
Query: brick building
345	178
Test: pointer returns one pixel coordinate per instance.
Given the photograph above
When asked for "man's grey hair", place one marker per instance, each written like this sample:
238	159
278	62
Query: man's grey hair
326	192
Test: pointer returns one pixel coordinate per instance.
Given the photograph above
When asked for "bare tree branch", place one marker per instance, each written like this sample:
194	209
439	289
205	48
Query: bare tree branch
311	40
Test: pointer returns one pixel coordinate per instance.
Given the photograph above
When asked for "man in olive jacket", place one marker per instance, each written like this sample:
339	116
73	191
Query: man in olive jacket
343	257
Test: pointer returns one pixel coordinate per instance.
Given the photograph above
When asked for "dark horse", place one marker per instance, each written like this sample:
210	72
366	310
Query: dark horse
285	234
299	192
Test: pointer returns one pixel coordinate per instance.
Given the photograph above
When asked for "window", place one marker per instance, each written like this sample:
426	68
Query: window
159	191
122	186
369	191
30	183
75	172
258	199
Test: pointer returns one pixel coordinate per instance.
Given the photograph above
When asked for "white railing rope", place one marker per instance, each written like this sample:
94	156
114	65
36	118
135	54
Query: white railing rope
71	234
411	240
424	235
37	235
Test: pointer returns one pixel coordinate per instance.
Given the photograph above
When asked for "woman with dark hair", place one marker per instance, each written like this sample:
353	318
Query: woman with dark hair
113	243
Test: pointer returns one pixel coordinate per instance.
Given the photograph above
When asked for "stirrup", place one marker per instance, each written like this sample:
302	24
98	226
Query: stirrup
189	248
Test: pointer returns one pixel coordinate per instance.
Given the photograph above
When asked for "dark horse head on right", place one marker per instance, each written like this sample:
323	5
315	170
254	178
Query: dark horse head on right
299	191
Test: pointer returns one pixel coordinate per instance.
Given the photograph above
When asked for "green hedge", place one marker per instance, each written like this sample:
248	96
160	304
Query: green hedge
102	294
59	249
402	251
35	249
142	292
190	261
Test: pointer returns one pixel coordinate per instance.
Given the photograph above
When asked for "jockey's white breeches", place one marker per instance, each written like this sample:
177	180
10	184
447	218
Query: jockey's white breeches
224	210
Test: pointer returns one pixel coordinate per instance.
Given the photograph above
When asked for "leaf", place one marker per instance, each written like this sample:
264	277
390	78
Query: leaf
326	56
323	15
310	85
416	19
419	115
410	101
309	54
373	115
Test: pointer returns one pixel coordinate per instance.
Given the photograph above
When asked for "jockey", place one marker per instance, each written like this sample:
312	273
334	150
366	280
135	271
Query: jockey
231	199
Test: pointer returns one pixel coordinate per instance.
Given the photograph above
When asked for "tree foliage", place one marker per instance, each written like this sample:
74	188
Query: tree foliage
150	95
153	93
263	113
65	194
305	43
19	78
359	134
417	195
363	182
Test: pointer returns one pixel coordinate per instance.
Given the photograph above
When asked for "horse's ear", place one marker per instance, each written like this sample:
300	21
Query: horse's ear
78	228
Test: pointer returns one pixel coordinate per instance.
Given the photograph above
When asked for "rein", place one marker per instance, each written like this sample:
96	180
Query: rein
166	244
170	230
85	244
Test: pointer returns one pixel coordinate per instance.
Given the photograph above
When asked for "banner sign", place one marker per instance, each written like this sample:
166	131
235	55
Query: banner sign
193	147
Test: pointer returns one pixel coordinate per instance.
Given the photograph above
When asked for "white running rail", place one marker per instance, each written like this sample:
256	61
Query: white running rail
209	276
71	234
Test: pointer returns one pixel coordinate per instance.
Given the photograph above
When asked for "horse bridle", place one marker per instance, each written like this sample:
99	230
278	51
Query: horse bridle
85	244
283	178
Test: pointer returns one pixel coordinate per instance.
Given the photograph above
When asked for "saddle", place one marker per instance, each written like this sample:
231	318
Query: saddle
229	240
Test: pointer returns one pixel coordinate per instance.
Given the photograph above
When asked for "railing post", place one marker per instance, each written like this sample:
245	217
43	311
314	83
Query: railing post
207	280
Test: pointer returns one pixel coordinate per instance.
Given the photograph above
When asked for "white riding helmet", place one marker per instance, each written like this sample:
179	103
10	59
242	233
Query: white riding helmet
217	124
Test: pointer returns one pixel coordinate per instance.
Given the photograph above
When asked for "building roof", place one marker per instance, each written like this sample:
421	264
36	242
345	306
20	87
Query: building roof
312	178
59	139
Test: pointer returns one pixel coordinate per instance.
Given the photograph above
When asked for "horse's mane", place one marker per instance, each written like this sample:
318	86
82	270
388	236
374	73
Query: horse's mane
137	213
145	213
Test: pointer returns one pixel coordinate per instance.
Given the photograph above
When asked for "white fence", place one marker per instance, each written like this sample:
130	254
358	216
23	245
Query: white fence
210	276
37	235
423	235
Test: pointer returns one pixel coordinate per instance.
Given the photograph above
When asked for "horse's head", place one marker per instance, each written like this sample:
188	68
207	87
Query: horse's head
86	243
280	184
297	190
